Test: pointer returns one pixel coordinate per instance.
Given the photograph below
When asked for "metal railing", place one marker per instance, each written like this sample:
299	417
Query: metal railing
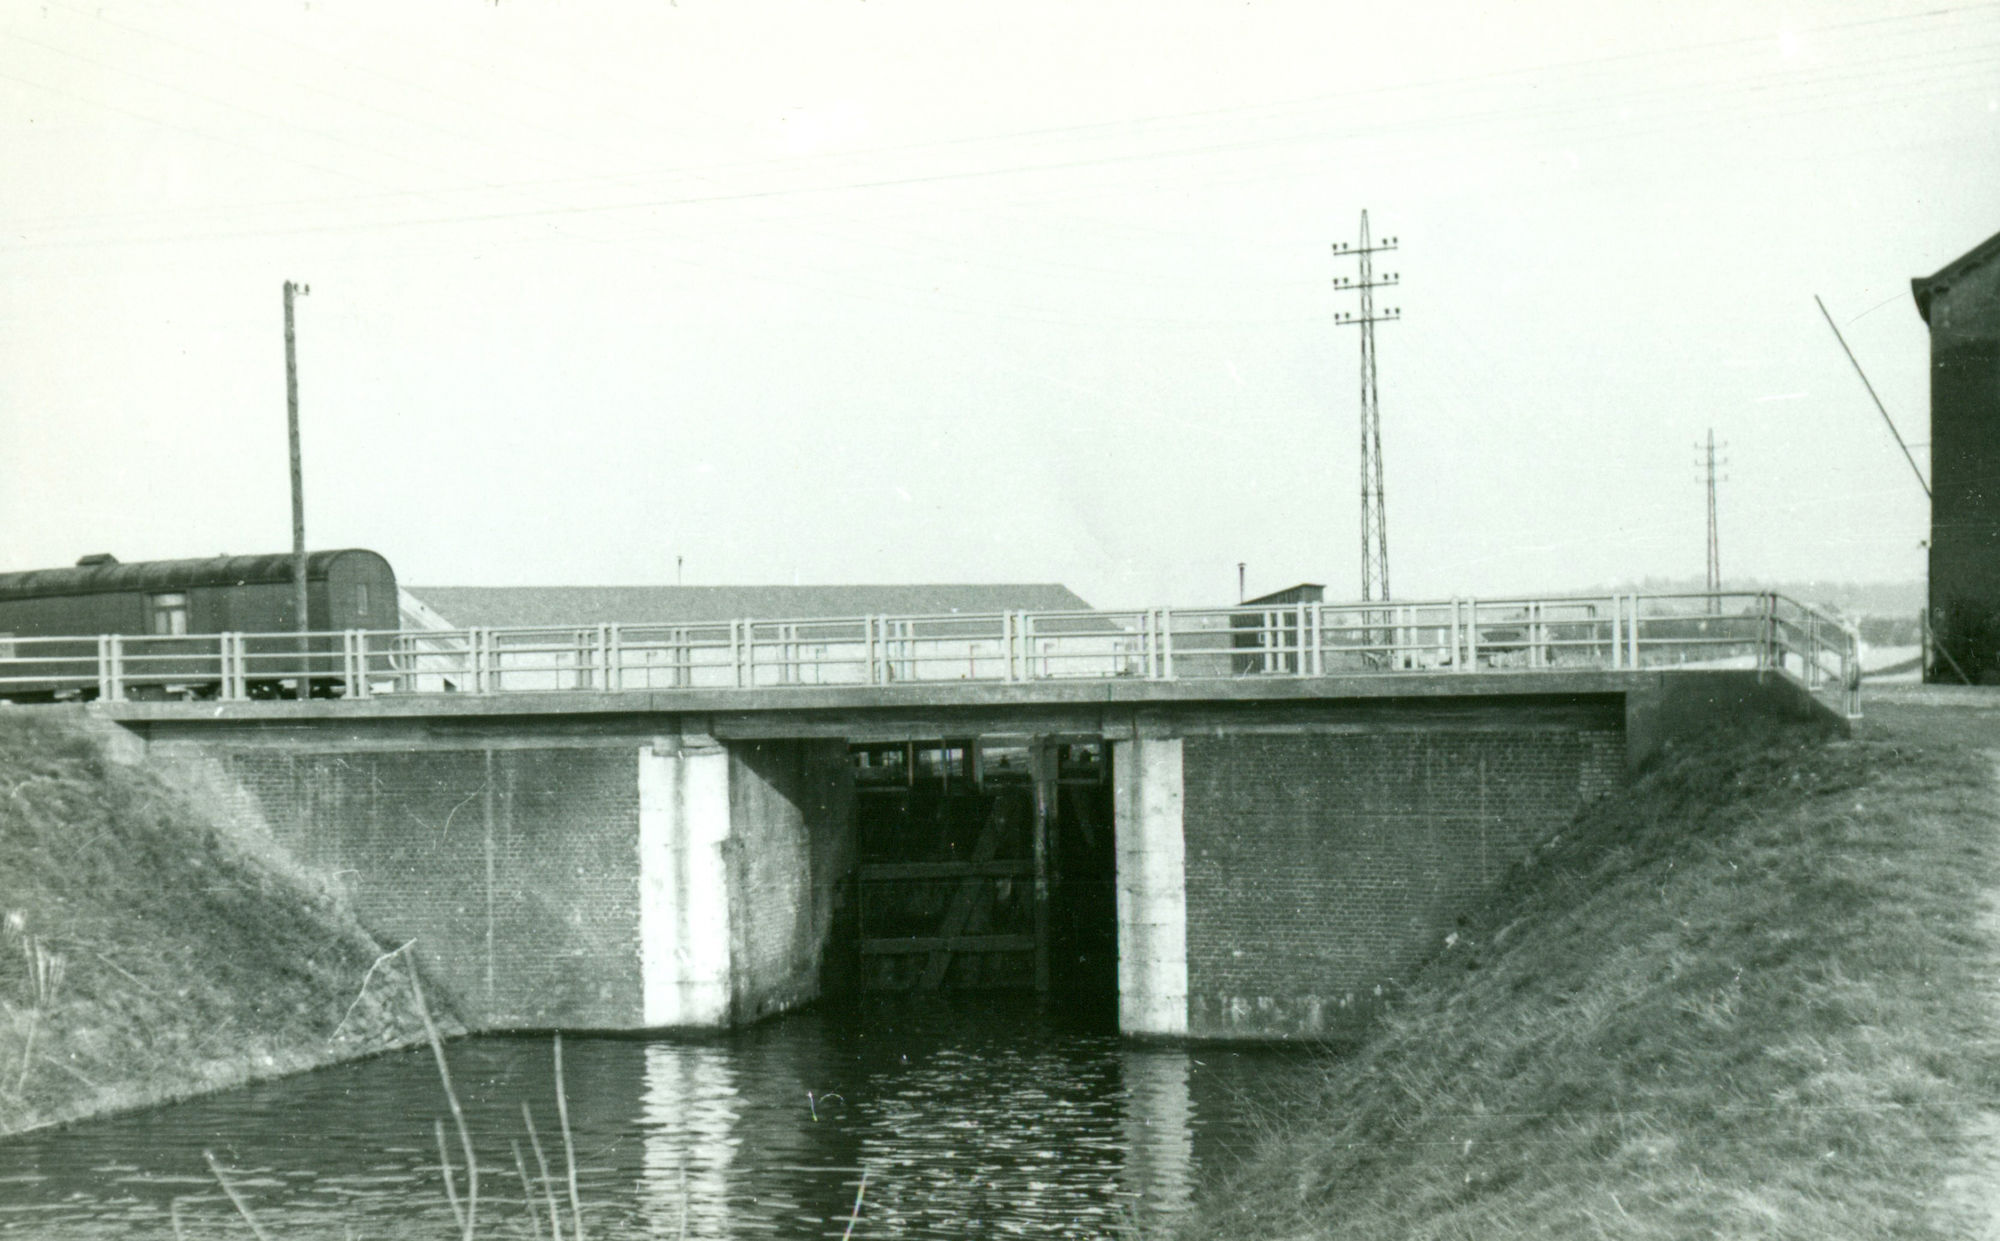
1766	632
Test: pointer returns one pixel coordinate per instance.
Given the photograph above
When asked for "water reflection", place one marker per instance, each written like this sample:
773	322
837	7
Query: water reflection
688	1116
972	1118
1157	1126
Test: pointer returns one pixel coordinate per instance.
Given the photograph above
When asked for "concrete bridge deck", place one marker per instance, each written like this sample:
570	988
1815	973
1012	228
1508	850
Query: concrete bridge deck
1649	704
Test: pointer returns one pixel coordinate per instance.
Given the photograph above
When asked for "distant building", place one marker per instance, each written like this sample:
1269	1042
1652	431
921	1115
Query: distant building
558	637
1961	303
512	607
1273	633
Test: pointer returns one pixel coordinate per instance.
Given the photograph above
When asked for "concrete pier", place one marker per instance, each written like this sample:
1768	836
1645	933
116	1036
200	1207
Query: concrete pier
1152	886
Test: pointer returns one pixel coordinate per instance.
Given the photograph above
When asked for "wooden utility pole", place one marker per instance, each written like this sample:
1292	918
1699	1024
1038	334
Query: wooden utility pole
298	473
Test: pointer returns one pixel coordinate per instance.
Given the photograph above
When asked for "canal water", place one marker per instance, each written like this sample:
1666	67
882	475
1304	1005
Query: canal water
970	1117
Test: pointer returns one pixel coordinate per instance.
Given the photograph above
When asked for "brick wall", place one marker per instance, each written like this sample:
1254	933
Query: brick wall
1320	868
514	869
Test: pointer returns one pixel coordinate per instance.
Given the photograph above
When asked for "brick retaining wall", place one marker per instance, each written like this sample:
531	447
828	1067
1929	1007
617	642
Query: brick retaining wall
514	870
1320	868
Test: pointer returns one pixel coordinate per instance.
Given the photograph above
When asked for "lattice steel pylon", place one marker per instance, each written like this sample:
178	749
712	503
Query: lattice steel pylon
1714	546
1374	518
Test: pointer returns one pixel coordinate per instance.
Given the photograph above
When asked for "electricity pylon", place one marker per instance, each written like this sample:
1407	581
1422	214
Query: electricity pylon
1374	519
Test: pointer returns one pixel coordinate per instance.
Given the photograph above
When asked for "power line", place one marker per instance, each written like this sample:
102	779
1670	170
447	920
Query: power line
1594	107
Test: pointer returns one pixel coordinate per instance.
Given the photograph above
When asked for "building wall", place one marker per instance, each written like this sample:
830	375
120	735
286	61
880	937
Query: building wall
1965	471
1322	868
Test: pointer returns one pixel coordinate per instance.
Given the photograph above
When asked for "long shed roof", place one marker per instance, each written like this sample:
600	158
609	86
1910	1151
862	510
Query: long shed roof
502	607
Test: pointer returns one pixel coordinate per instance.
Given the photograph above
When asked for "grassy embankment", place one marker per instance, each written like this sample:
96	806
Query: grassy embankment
151	949
1752	996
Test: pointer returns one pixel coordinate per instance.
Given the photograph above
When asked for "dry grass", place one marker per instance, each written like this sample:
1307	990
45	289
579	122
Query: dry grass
1752	997
153	950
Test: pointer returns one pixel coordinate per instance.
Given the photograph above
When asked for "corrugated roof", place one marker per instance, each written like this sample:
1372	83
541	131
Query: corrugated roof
501	607
1923	286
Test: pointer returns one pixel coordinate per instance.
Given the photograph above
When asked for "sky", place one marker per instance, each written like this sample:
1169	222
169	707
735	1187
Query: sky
887	291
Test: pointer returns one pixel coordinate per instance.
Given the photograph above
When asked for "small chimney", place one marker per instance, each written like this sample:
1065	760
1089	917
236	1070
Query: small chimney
95	559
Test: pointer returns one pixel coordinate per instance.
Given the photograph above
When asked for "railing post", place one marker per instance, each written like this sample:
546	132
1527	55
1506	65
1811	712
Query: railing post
476	649
114	668
1166	644
1850	672
1472	635
736	652
612	643
1319	640
1632	634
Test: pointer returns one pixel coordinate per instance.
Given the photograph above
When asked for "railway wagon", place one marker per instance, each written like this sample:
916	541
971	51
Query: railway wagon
168	612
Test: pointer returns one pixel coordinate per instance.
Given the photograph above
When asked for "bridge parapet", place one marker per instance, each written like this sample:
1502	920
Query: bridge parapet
1765	632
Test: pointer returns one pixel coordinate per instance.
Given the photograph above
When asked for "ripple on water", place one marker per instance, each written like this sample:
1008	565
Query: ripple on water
968	1116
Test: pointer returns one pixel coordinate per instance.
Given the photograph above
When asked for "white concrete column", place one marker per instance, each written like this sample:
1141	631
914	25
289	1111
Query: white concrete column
684	884
1152	886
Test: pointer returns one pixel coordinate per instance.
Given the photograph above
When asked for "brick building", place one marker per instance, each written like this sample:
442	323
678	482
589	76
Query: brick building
1961	303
